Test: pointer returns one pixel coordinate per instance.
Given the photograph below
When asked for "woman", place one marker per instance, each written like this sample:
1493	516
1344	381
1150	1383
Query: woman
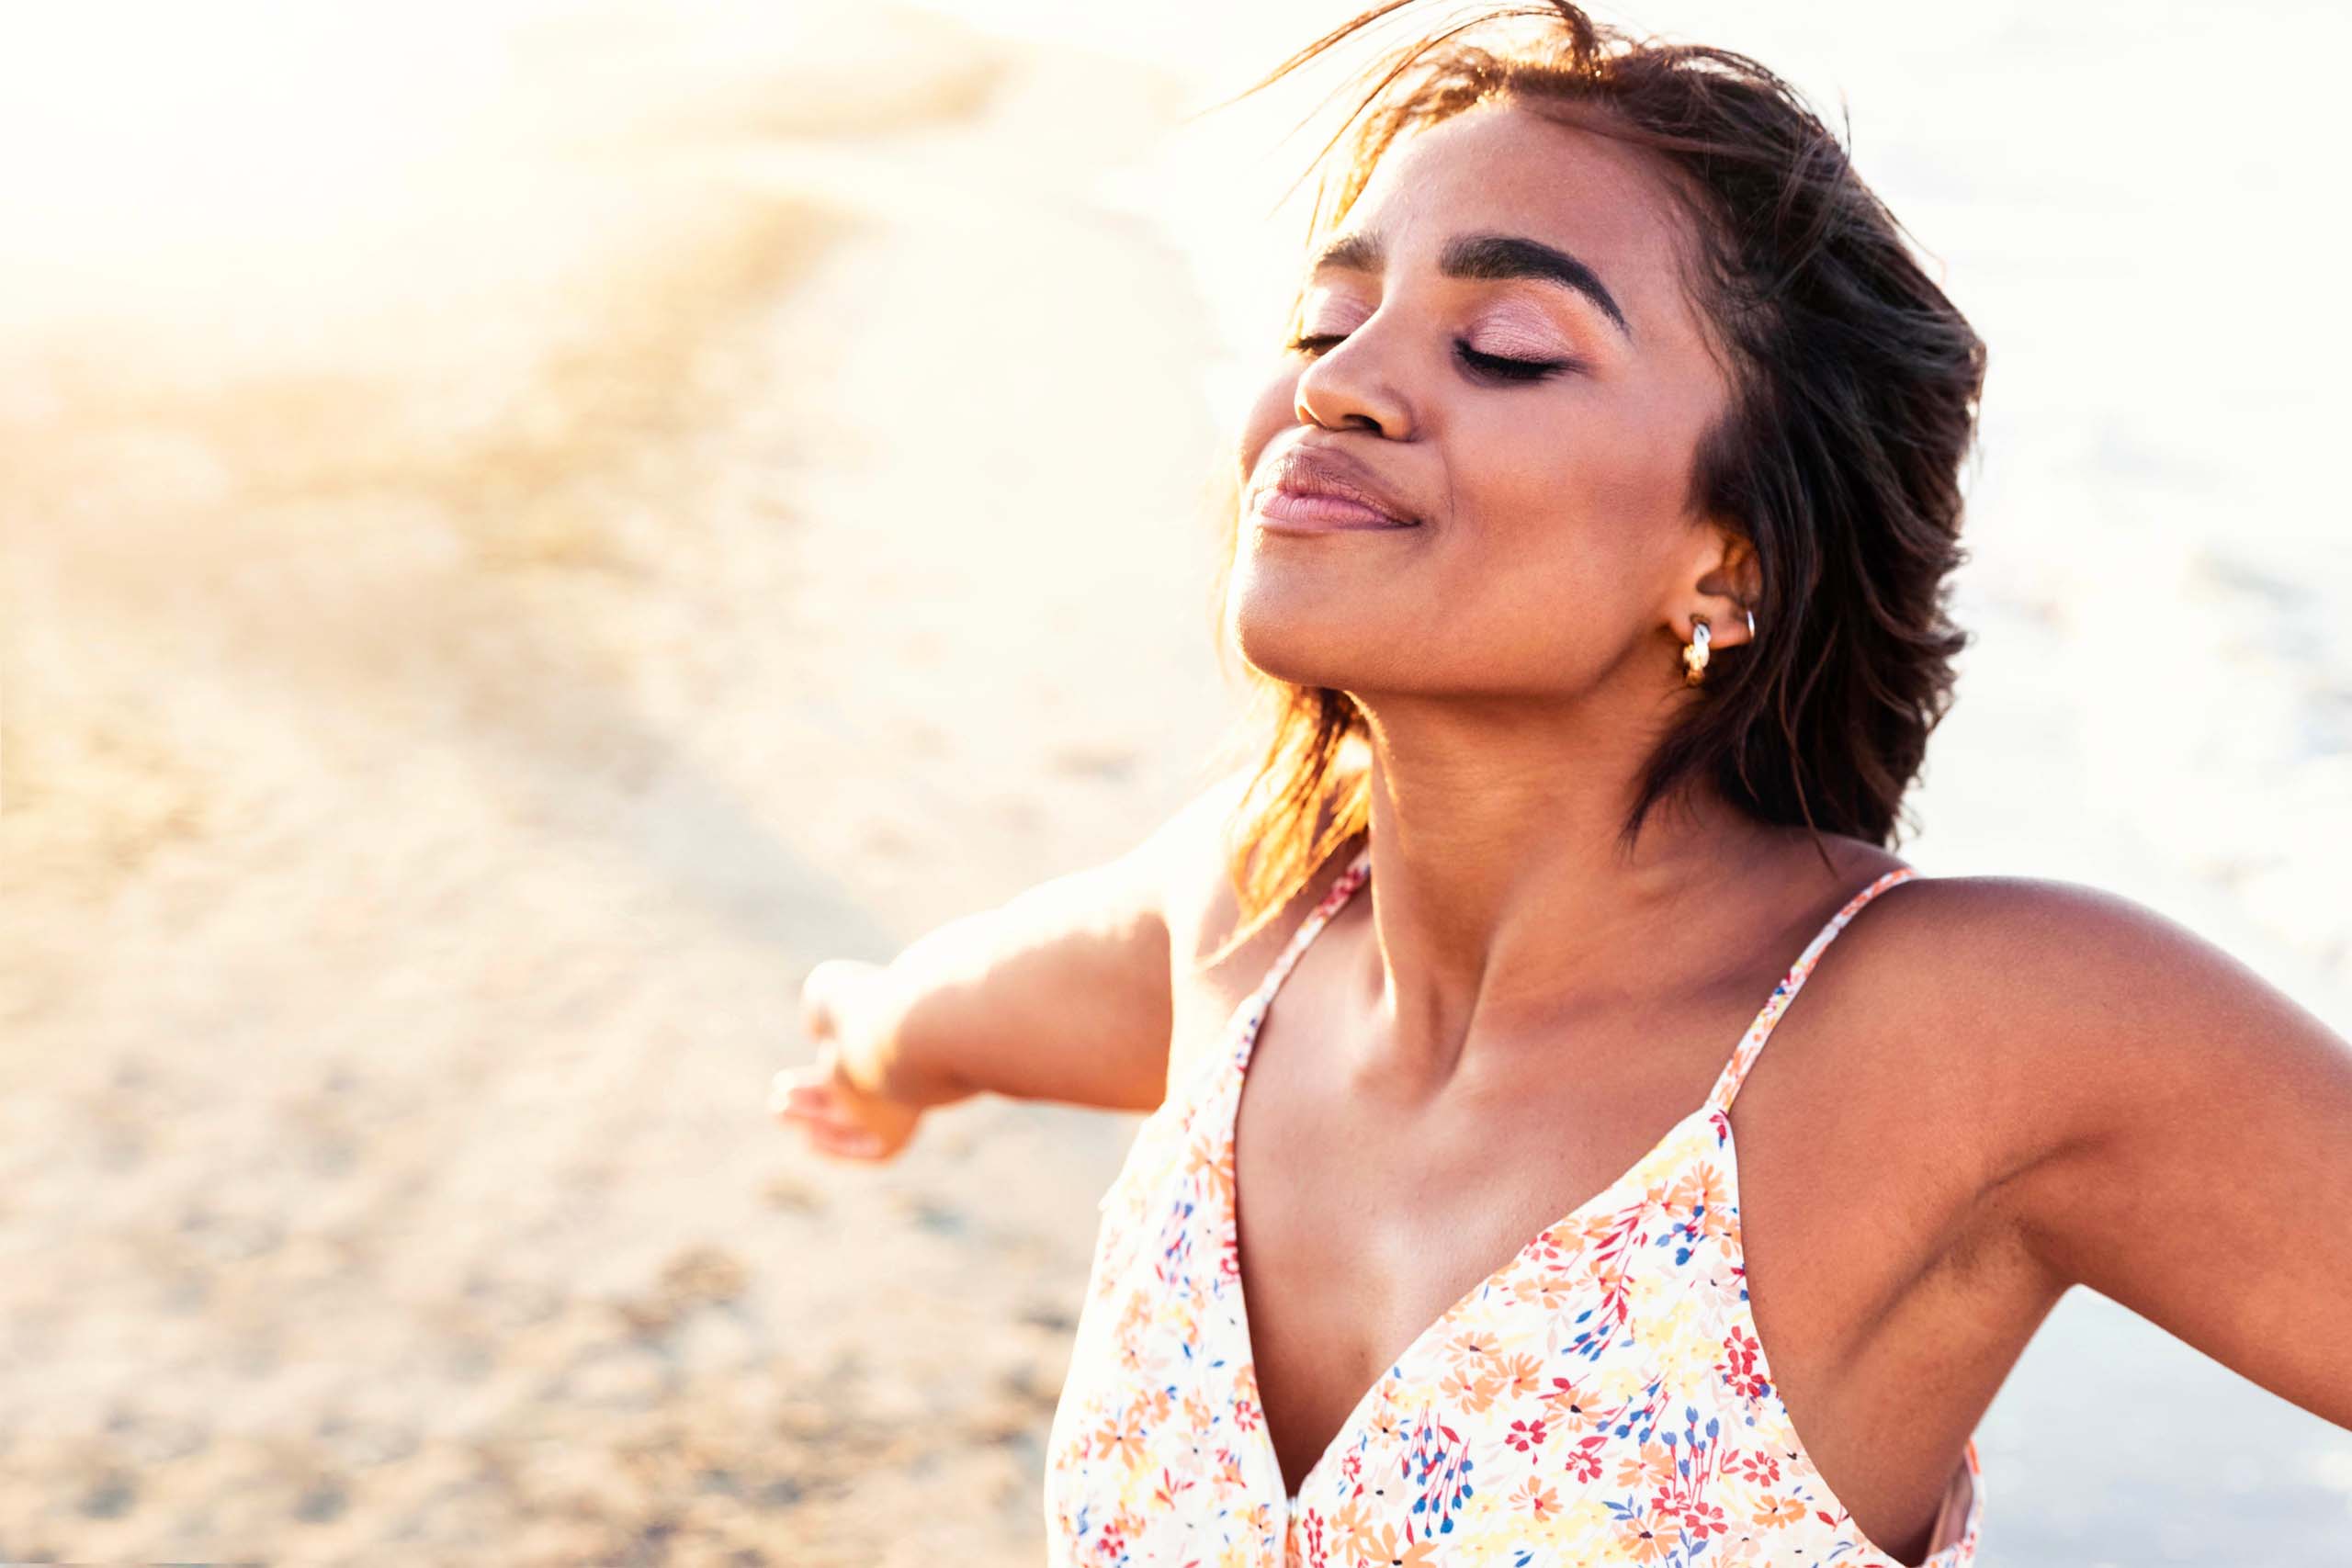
1595	532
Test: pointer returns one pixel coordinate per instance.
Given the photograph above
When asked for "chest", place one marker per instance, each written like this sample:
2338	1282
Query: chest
1362	1216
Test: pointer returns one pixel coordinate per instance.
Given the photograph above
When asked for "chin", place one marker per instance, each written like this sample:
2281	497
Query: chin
1303	647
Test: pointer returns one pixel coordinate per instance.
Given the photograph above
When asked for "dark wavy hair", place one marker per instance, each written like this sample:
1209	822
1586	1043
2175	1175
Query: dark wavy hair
1856	388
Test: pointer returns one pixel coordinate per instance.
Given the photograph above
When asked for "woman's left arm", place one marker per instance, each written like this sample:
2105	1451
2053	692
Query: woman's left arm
2194	1160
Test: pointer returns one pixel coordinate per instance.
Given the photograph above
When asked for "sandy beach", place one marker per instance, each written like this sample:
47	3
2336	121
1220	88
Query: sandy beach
513	554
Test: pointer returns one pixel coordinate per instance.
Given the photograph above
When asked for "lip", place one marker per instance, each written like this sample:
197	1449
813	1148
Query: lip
1289	512
1317	491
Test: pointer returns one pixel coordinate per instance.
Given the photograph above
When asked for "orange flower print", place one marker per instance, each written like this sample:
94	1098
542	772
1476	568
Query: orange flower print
1653	1461
1471	1389
1647	1540
1385	1548
1475	1348
1549	1293
1536	1499
1700	1188
1120	1438
1217	1183
1555	1249
1200	1154
1738	1548
1522	1376
1572	1407
1773	1512
1229	1471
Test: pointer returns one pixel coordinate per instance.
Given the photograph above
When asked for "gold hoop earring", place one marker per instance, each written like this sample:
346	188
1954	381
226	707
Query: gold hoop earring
1694	654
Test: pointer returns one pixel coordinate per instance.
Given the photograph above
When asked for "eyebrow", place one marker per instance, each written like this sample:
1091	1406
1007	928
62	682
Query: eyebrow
1484	256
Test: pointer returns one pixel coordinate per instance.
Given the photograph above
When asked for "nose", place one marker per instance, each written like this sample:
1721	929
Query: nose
1347	387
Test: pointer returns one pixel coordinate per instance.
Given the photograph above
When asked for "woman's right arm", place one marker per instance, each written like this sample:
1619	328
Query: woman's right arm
1063	993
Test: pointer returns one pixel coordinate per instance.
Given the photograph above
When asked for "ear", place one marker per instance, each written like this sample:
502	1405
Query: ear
1729	581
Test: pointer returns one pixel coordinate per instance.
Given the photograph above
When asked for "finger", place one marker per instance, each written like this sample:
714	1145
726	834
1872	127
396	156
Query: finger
817	1121
800	1086
819	1111
855	1144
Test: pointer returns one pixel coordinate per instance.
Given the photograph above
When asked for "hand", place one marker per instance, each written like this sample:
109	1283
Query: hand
829	1099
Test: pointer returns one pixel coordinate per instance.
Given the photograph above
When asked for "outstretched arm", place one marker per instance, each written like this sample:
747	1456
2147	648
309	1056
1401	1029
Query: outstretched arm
1062	993
2196	1164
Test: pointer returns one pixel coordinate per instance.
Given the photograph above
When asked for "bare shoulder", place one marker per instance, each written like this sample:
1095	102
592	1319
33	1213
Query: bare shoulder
2061	1009
2068	966
2177	1128
1205	910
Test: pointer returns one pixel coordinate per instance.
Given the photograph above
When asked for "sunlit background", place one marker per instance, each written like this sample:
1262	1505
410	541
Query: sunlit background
529	524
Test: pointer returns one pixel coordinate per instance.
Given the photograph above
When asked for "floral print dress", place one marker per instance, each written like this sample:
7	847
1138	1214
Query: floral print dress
1602	1398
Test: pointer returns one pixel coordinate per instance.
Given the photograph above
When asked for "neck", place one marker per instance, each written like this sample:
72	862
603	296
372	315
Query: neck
1503	896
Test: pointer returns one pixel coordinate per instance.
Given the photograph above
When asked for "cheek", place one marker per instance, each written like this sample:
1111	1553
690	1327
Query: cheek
1272	411
1593	483
1561	532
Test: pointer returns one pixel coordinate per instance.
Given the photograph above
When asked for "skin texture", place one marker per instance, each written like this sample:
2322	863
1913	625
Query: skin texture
1991	1089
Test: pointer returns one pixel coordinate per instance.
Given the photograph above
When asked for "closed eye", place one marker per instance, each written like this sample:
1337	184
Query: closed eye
1487	363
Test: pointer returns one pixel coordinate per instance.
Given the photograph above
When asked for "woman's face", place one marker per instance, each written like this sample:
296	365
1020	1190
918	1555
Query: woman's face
1553	553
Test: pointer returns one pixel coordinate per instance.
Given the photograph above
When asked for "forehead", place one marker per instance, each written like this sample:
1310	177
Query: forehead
1501	168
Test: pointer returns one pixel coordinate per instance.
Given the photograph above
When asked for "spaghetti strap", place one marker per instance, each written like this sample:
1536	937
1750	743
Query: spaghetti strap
1751	1044
1253	1007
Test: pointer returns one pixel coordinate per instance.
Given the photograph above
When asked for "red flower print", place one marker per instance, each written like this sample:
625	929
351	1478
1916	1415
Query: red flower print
1552	1247
1703	1519
1584	1460
1524	1436
1737	1367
